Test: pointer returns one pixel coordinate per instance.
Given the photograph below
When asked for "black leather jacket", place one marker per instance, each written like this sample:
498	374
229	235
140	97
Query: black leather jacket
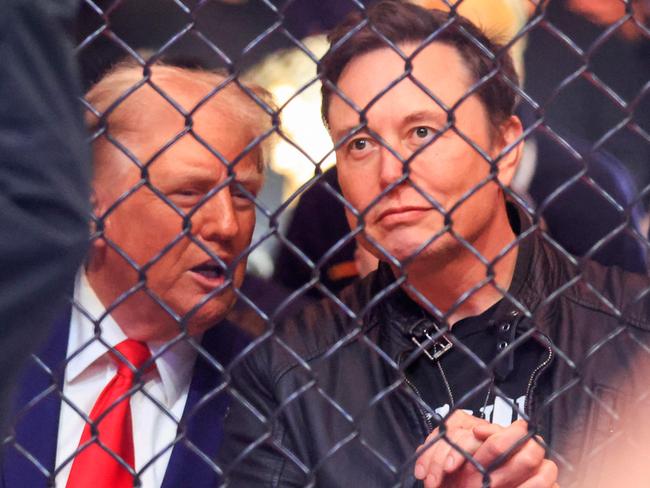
322	400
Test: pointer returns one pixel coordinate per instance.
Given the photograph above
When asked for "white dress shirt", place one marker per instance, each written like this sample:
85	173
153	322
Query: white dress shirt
90	368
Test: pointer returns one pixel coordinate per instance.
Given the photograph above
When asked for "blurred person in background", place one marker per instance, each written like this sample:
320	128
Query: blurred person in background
44	177
318	227
592	83
139	356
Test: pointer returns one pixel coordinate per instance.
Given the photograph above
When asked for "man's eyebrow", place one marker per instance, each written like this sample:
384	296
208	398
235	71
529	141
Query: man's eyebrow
426	116
346	131
188	175
248	177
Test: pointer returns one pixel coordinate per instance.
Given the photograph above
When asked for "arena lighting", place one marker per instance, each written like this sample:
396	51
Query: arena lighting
285	74
502	19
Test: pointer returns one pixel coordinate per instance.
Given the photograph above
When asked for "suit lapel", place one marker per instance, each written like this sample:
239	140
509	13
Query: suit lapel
30	461
192	462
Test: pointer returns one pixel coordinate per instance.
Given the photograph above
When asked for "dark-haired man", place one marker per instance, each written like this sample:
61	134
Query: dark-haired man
476	343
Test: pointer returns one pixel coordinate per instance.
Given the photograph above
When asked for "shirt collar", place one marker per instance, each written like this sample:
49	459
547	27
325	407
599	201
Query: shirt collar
93	332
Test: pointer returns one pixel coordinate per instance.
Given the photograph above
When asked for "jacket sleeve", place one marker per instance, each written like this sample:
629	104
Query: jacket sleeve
257	450
44	173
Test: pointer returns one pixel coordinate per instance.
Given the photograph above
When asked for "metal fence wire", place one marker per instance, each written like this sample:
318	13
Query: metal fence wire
495	311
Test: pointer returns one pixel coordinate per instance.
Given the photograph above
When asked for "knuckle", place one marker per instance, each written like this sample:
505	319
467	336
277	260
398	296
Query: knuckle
519	428
456	435
458	419
528	459
536	450
430	481
498	446
550	469
520	424
545	477
424	455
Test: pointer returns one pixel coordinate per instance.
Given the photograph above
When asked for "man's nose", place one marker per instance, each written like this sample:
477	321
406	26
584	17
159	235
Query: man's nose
217	218
391	167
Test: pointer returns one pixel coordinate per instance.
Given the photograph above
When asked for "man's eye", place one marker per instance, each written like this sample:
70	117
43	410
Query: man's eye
241	192
358	144
188	193
421	135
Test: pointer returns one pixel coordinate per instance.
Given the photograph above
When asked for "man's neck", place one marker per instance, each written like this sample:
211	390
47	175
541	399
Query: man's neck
458	284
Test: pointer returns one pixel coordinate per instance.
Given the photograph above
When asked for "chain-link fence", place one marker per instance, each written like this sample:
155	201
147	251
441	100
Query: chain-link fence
459	301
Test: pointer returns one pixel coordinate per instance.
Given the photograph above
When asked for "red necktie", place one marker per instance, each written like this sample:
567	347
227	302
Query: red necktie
97	465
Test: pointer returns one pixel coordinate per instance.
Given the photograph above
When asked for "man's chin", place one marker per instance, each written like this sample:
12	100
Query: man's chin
210	313
407	252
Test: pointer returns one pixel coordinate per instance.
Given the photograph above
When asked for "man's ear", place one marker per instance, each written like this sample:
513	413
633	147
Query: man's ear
510	140
98	221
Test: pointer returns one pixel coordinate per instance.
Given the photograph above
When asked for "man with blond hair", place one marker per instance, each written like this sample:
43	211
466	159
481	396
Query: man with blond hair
128	390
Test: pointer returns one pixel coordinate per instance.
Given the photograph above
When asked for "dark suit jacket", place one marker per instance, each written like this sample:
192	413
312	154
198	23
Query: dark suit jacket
44	177
30	456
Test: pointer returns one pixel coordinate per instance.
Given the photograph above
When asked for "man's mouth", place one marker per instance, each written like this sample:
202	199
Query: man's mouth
210	271
402	213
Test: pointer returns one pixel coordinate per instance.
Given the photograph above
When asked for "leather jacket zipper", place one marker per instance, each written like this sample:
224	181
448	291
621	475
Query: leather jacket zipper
532	382
425	417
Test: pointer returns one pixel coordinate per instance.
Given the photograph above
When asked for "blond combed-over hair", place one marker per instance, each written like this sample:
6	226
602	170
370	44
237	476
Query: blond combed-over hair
115	104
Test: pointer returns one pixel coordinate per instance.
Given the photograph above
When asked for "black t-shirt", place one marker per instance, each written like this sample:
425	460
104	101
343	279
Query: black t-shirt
457	379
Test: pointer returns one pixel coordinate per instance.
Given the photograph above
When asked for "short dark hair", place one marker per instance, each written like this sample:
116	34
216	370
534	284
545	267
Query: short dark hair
401	22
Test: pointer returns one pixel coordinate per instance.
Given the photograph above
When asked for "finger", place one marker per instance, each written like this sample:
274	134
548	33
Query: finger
431	462
427	450
483	431
502	442
518	459
464	446
546	477
445	456
425	454
427	466
431	481
520	466
461	442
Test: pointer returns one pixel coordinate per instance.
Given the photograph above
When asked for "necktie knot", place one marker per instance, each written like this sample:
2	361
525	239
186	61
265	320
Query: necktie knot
134	355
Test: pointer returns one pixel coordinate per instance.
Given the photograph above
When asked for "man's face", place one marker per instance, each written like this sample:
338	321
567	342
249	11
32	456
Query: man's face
179	269
447	169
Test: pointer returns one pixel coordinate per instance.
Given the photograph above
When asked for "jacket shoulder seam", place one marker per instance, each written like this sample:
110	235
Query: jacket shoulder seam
286	369
312	354
634	321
